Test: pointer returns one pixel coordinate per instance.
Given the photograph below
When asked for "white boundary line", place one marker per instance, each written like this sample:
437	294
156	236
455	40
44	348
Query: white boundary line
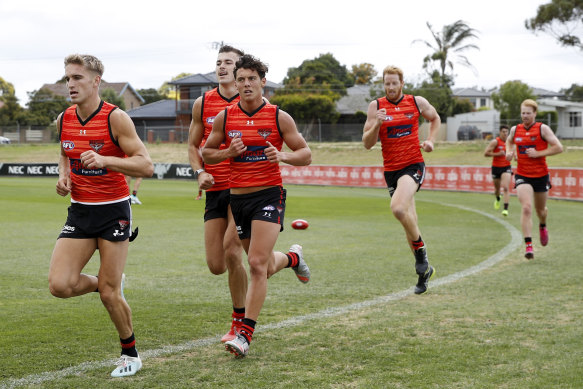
515	242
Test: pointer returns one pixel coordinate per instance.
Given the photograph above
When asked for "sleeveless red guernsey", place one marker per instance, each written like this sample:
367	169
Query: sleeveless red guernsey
399	133
526	139
92	186
252	168
500	161
213	103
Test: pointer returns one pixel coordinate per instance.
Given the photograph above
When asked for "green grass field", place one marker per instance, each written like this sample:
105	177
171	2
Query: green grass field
513	324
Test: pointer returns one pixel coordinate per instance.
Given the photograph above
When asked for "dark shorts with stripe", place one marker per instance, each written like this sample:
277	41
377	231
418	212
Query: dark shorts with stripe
539	184
498	171
217	204
416	171
267	205
111	222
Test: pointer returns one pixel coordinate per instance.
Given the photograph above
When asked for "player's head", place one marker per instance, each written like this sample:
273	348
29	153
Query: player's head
89	62
225	65
504	130
528	110
248	61
393	82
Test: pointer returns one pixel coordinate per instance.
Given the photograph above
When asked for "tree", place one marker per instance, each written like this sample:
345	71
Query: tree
112	97
438	95
363	73
11	112
574	92
44	107
560	19
150	95
449	43
307	107
320	75
509	97
168	90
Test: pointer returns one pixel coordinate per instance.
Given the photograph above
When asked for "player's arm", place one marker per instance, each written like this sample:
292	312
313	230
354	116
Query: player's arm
554	144
64	181
374	119
195	136
510	144
211	152
489	152
137	163
300	154
429	113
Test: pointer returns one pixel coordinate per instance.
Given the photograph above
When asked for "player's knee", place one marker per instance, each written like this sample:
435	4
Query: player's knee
257	266
60	288
216	268
109	296
399	211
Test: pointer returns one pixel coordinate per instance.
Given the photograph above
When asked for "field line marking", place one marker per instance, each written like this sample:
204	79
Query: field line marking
515	242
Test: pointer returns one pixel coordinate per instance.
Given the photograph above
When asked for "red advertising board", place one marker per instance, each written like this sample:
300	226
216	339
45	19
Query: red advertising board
567	182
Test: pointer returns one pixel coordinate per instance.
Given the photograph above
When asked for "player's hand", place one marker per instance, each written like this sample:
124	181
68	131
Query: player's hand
237	147
509	155
427	146
64	186
381	115
532	152
90	159
272	154
205	180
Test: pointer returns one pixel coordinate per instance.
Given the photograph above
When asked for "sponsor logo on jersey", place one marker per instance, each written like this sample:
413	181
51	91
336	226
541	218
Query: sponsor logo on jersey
252	154
97	145
399	131
67	229
264	132
68	145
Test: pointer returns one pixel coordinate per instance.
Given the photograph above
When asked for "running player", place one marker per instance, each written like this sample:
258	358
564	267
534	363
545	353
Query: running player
501	168
395	120
99	145
254	132
223	247
534	141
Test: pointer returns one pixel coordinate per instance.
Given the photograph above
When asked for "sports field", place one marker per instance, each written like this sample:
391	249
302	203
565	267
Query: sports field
491	319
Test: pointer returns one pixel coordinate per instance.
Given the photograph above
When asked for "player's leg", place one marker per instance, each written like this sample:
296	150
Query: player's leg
540	205
214	232
403	206
496	182
505	186
525	194
68	260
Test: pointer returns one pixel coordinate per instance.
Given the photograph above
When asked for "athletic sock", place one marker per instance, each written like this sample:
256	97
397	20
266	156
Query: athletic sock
497	198
417	244
238	314
128	346
293	259
528	241
506	206
248	328
135	192
542	225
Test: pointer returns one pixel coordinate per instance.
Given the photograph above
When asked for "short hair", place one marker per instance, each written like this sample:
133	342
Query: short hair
231	49
89	62
393	70
248	61
504	126
530	103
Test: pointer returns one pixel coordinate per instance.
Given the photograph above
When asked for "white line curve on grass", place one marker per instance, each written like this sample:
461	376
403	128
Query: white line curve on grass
515	242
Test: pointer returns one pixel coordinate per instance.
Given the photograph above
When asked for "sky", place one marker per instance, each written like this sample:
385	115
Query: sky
147	43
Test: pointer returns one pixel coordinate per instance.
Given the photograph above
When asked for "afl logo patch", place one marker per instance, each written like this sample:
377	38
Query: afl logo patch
234	134
68	145
388	118
210	120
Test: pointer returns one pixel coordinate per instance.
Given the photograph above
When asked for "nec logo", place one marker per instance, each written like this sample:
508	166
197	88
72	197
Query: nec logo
68	145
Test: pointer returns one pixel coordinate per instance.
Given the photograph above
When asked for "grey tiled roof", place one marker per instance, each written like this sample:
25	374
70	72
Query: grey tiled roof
158	109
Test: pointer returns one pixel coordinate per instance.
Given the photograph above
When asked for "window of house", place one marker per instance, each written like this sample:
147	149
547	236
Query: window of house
482	102
574	119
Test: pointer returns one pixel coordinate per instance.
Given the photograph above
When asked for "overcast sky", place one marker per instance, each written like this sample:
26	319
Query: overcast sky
146	43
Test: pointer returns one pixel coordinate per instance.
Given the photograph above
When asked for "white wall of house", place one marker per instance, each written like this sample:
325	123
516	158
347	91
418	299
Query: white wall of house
486	121
570	117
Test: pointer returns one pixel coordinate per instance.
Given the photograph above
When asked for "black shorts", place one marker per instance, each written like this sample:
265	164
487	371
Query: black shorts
416	171
217	204
111	222
539	184
498	171
267	205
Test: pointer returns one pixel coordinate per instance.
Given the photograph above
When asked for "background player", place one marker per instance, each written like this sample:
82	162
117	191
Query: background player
501	168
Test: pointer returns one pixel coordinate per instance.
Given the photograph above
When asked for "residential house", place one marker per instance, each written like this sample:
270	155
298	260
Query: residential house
480	99
131	97
570	117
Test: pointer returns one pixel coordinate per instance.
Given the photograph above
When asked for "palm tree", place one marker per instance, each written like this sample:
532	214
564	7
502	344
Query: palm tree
449	42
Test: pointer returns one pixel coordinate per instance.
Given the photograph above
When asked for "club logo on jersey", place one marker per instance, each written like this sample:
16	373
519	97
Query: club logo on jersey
96	145
68	145
264	132
409	115
210	120
280	209
533	138
234	134
123	224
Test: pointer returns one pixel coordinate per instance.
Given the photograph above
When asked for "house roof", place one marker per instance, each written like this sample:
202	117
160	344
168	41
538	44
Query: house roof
161	109
355	100
470	92
559	103
210	79
60	89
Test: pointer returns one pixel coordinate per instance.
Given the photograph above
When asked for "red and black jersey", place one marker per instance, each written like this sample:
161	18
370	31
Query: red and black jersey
500	160
213	103
526	138
252	168
92	186
399	133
